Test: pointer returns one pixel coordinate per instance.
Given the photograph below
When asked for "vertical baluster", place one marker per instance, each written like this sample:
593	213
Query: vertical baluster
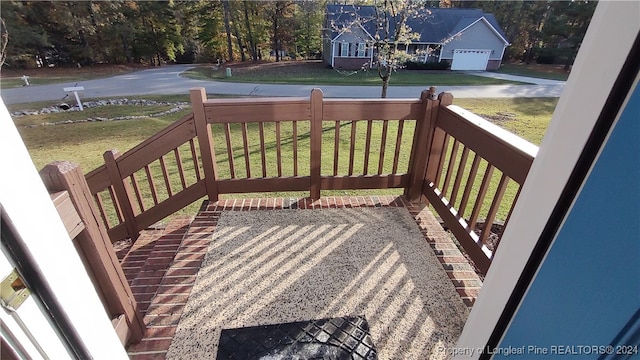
506	221
493	209
443	155
263	151
165	175
100	203
396	153
452	163
383	143
245	143
367	147
194	157
295	148
183	181
352	146
469	185
116	205
152	185
315	140
459	174
336	149
486	180
136	191
227	135
278	149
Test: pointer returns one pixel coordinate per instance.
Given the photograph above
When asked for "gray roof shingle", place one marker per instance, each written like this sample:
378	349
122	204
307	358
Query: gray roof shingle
435	25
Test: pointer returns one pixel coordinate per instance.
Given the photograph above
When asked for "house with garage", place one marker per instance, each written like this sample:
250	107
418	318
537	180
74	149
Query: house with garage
467	39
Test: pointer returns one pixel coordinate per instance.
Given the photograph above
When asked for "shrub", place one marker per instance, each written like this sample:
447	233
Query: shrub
414	65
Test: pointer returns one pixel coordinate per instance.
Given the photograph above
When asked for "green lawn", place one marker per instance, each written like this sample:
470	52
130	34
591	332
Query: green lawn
11	78
552	72
321	75
12	82
84	143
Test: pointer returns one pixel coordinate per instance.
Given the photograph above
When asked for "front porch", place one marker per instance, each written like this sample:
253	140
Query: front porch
161	268
165	292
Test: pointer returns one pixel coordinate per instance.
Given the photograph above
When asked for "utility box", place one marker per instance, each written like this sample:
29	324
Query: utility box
228	72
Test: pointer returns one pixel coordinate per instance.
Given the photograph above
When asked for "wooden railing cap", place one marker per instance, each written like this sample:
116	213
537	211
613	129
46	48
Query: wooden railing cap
62	166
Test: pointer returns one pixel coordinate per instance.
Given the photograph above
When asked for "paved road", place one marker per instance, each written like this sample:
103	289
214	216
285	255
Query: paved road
167	80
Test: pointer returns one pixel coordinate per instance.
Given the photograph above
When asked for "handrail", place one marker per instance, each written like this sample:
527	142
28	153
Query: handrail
119	193
492	148
230	146
507	151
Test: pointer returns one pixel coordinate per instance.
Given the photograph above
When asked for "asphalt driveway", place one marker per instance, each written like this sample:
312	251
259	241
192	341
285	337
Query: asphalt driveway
167	80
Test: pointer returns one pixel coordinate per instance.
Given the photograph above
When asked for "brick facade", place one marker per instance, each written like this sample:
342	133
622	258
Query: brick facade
494	64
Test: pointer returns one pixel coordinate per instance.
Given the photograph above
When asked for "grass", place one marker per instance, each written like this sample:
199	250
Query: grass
11	78
525	117
552	72
315	73
84	143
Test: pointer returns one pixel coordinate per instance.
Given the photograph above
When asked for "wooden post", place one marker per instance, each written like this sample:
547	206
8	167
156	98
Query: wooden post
123	193
438	139
205	141
316	142
95	245
420	148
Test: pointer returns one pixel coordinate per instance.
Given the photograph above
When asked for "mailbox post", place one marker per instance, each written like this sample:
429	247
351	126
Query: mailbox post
75	90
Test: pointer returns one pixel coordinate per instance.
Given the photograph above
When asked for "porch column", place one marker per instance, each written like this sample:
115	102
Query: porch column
333	53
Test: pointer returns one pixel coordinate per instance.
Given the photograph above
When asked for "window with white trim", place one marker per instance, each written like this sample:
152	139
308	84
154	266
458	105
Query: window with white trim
362	50
344	49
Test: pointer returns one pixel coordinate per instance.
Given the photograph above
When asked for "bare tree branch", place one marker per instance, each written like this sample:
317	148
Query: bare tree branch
4	39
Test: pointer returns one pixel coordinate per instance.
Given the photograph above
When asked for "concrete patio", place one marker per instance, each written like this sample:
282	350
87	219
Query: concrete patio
252	277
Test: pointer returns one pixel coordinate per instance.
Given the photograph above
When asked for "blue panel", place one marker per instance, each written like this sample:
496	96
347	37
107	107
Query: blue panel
588	287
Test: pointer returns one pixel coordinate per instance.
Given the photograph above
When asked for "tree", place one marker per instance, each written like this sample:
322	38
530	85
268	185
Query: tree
280	13
566	26
388	18
157	35
391	30
4	38
26	38
308	40
227	28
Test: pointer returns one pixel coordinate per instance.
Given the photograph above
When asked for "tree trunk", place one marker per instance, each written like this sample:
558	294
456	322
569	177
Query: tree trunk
127	50
252	43
4	39
275	34
227	28
243	58
385	85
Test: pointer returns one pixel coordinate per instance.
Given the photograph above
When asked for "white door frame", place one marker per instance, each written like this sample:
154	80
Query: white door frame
576	113
27	204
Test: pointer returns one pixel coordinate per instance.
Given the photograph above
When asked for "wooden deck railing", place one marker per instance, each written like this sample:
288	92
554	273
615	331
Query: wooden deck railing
73	201
458	191
230	146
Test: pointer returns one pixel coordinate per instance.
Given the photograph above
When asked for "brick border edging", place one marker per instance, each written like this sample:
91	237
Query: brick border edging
164	282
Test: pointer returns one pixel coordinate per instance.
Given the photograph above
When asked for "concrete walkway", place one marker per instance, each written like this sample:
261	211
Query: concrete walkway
167	80
536	81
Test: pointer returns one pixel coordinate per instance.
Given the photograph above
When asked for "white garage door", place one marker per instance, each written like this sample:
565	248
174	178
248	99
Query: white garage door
470	59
